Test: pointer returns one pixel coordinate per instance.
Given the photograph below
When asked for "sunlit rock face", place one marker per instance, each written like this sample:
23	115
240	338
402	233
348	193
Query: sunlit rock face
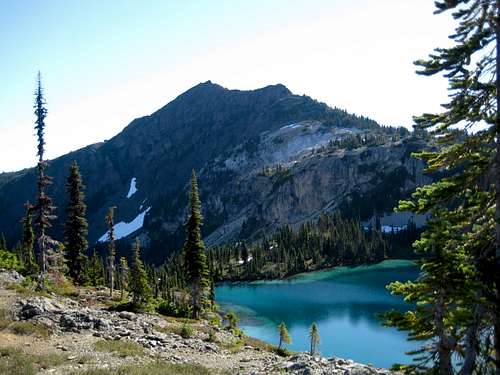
264	158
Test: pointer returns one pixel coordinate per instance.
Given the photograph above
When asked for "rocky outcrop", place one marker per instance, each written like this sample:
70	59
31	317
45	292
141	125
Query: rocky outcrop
10	277
65	317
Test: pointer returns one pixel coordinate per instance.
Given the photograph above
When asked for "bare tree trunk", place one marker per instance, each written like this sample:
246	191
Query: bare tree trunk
444	343
472	342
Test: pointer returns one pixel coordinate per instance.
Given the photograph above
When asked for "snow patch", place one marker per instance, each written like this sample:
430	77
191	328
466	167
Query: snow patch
132	190
291	126
123	229
389	228
249	260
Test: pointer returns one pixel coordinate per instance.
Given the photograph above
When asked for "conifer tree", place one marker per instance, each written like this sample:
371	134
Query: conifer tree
123	276
314	336
3	242
195	260
76	227
458	295
111	249
244	253
284	336
139	287
212	293
27	243
232	319
44	209
95	270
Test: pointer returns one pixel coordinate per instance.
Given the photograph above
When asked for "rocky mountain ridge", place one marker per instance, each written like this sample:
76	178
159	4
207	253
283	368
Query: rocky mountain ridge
264	157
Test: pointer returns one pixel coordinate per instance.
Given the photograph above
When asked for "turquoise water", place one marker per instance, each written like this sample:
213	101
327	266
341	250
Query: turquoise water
344	302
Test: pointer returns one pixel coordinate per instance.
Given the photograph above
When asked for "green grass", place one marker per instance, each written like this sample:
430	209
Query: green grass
234	346
123	348
154	368
14	361
186	330
28	329
21	328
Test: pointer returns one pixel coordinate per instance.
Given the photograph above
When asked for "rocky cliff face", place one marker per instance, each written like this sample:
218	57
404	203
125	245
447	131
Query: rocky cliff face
264	158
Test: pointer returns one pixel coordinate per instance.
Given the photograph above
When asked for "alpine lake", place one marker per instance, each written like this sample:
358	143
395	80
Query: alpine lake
346	303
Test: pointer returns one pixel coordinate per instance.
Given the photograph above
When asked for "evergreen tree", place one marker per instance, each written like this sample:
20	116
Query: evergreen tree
111	249
44	209
76	227
95	270
123	276
3	243
27	243
458	295
195	261
212	293
284	336
244	253
314	336
232	319
139	287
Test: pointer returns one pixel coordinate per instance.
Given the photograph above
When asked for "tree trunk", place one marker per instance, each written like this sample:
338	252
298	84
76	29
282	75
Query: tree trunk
443	345
472	342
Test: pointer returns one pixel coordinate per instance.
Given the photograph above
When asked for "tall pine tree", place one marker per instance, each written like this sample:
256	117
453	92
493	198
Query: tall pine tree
111	249
44	209
76	227
457	298
139	287
195	259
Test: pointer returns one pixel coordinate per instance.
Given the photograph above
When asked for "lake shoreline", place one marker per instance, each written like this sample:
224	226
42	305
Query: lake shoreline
345	302
344	269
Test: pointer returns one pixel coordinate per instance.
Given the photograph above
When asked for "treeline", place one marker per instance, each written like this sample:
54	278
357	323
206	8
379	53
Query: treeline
52	264
330	241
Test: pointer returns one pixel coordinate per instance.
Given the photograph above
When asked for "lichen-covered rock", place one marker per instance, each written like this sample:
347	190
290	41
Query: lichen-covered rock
10	277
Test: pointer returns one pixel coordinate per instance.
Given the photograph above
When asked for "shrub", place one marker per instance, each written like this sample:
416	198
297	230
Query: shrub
187	331
9	261
167	308
211	337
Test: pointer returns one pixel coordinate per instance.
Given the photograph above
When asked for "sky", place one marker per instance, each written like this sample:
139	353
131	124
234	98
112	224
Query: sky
104	63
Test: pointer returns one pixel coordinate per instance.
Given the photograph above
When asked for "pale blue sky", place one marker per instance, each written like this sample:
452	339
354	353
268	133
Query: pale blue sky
106	62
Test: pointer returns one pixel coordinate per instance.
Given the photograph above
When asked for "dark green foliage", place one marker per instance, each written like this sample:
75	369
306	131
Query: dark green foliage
314	336
95	270
27	244
123	276
44	209
330	241
139	287
232	320
187	331
76	227
110	264
9	261
456	310
195	260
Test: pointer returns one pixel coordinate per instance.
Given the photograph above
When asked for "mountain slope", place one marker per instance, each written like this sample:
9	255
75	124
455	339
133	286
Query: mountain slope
264	157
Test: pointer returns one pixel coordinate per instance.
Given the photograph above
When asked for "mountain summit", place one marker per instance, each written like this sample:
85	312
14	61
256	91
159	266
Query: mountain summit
265	157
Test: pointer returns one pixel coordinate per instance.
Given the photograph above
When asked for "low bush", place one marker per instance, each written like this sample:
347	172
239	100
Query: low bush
187	331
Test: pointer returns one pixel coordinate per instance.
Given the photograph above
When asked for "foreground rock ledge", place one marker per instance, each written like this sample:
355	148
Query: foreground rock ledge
75	327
